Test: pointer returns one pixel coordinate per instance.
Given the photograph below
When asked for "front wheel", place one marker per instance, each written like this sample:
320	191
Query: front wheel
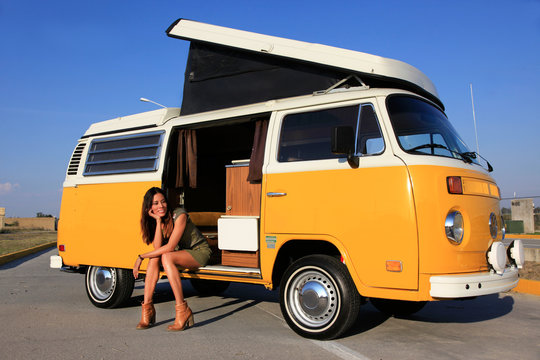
318	298
108	287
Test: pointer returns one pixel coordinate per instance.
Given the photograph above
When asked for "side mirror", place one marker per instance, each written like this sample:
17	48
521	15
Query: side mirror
343	143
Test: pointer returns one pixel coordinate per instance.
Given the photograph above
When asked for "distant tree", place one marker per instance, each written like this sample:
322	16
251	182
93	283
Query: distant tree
537	210
506	210
42	215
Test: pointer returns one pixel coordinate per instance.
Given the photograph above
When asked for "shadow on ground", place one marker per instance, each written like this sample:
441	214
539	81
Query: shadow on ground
448	311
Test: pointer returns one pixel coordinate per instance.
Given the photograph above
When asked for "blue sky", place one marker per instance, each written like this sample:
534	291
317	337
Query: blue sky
66	64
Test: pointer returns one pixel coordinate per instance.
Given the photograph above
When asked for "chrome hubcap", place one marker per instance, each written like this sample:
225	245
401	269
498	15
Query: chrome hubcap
102	282
313	298
104	279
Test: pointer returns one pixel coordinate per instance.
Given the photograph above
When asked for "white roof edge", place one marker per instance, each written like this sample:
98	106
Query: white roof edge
311	52
123	123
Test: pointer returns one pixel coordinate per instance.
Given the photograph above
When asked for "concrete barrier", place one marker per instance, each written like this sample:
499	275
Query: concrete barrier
525	286
4	259
532	254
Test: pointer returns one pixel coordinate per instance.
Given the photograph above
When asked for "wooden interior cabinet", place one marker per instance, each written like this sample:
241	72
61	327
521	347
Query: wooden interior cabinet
247	259
243	198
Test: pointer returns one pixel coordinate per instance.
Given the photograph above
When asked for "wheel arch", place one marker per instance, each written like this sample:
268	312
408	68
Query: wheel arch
295	249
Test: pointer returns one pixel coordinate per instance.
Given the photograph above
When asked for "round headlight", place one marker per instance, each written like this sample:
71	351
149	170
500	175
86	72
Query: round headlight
454	227
493	228
497	257
516	254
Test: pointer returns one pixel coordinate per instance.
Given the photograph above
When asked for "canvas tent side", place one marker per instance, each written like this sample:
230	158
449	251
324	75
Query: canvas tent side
228	67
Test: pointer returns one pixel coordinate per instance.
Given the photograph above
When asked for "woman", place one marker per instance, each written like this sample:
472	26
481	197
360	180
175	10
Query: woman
176	242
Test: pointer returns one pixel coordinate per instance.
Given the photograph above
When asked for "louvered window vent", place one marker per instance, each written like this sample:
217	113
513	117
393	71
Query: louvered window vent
75	161
124	154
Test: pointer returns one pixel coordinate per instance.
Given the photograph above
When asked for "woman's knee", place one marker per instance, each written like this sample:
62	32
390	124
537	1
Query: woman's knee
166	259
153	263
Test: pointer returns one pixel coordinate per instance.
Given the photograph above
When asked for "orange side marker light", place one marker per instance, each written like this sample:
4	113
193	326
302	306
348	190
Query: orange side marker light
394	266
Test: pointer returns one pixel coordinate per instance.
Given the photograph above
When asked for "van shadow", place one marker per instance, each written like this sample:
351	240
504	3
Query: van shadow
236	294
163	293
466	311
448	311
17	262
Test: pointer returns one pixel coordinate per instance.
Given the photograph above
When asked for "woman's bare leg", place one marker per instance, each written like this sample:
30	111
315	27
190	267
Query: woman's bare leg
170	261
151	279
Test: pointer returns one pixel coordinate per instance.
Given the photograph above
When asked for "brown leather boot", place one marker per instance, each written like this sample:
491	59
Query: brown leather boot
184	318
148	316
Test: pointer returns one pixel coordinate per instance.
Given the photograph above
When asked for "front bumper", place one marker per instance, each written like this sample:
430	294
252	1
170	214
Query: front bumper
476	284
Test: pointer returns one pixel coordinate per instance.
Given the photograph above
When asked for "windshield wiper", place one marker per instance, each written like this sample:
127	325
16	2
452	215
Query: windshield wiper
466	157
473	154
468	154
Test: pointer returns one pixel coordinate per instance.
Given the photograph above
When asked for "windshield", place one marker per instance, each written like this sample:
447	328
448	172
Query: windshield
423	129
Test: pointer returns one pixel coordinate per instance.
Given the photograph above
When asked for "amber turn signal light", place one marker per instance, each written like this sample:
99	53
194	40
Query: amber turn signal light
454	185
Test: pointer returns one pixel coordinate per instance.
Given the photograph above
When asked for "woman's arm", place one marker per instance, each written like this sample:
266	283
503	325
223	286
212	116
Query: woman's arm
179	227
158	235
178	230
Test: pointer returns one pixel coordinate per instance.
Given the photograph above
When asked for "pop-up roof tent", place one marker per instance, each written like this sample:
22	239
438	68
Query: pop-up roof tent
228	67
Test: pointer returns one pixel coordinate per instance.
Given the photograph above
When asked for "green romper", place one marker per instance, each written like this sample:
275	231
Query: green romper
192	240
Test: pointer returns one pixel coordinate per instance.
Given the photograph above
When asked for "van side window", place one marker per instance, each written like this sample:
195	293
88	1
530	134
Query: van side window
307	136
370	140
124	154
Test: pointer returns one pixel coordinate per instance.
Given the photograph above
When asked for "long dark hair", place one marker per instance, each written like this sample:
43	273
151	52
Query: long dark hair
148	223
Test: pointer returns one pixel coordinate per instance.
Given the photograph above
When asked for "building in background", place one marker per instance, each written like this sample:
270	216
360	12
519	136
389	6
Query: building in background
523	210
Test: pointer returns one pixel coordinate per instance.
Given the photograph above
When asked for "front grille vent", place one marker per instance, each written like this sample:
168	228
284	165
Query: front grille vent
73	167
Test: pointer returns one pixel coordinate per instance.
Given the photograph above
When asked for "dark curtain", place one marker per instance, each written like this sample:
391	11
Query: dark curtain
257	151
187	159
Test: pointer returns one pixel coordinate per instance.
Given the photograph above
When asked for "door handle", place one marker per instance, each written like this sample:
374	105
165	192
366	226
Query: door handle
275	194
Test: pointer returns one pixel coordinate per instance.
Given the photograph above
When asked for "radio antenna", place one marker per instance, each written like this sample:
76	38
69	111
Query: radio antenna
474	119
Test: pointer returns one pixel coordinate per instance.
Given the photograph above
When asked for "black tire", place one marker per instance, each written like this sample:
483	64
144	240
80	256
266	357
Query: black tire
318	298
399	308
108	287
209	287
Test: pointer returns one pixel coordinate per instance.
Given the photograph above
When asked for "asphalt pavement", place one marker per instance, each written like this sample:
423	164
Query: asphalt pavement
46	314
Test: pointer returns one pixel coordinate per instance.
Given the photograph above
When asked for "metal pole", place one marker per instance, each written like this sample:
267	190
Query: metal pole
474	119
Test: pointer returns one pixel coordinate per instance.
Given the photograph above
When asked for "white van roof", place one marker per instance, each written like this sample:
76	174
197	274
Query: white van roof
139	121
358	62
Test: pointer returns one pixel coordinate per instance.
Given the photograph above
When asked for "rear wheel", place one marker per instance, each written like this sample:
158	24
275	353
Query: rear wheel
318	297
209	287
399	308
108	287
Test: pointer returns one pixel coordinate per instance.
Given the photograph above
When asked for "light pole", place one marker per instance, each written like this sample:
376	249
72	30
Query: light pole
153	102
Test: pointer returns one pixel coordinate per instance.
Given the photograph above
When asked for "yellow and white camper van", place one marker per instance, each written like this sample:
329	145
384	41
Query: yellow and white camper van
332	174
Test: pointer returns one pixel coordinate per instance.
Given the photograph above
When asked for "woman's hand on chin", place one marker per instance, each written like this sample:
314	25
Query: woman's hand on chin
154	215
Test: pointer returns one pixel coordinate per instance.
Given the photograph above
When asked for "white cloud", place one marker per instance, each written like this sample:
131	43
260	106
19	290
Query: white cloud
6	188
